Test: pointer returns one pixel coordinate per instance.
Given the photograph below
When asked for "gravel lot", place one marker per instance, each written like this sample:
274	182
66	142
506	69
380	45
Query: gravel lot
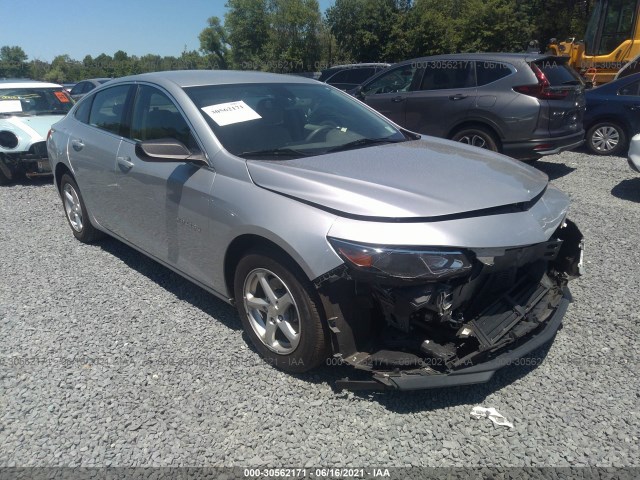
108	358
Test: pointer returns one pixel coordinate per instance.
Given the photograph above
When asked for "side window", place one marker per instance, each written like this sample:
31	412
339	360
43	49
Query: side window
155	116
359	75
446	74
107	110
83	110
340	77
630	89
396	80
78	88
88	86
489	72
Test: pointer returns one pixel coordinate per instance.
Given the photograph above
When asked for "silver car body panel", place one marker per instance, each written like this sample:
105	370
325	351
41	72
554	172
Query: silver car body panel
403	181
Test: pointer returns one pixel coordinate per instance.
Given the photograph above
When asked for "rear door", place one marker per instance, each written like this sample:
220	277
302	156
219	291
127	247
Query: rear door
446	93
388	92
93	146
565	105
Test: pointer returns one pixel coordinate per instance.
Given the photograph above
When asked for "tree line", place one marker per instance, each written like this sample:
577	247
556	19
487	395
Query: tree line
293	36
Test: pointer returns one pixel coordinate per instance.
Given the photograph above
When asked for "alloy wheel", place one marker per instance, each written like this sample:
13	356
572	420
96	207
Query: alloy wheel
474	140
605	138
272	311
72	207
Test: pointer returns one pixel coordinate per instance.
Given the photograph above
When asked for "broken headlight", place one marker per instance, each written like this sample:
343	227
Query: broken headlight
407	263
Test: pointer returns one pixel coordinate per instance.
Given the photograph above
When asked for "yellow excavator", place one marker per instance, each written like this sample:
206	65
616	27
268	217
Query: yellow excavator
611	44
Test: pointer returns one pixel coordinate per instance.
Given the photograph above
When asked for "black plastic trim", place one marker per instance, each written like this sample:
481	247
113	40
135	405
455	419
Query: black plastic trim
482	372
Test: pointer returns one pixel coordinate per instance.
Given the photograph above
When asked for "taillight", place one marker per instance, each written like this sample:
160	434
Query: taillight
542	89
49	134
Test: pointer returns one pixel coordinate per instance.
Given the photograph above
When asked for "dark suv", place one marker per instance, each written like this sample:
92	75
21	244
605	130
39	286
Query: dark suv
346	77
523	105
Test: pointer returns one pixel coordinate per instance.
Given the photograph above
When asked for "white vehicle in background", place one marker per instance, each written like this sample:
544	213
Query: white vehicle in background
634	153
27	110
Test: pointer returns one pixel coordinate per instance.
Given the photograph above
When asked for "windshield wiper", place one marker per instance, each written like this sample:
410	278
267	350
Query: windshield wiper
363	142
273	152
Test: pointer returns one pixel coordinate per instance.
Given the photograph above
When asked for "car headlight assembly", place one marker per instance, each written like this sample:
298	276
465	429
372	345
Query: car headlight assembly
405	263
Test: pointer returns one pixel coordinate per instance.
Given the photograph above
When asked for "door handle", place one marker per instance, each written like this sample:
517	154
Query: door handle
633	108
458	96
125	162
77	145
397	99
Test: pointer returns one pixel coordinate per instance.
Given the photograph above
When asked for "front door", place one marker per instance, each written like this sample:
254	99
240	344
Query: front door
163	206
388	92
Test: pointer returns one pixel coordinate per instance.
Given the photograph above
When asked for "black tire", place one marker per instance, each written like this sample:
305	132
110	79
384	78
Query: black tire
310	348
79	223
477	137
4	179
606	138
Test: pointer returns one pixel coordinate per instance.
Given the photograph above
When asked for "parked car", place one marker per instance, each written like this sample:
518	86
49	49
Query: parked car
613	115
334	232
634	153
523	105
68	86
27	111
346	77
80	89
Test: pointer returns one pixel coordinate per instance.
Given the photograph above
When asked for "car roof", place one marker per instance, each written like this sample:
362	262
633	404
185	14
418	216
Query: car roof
194	78
490	56
356	65
26	83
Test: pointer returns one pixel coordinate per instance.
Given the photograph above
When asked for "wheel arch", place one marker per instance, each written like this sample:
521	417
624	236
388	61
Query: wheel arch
247	242
59	171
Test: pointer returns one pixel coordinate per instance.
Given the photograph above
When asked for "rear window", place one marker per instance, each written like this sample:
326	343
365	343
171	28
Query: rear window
489	72
558	73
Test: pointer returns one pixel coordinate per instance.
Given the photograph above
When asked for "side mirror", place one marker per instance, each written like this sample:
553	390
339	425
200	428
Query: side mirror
167	150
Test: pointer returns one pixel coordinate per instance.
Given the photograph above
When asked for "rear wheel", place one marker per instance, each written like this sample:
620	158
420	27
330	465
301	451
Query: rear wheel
606	138
279	312
76	211
477	137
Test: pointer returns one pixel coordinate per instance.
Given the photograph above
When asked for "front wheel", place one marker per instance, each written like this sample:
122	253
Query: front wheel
606	138
477	137
76	211
279	312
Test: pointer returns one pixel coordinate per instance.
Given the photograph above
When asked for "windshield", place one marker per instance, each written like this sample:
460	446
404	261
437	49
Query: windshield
267	121
34	101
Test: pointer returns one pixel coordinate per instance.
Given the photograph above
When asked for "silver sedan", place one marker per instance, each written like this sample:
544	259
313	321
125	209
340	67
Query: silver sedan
339	236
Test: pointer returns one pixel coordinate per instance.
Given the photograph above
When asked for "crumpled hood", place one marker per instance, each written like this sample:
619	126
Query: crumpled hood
29	130
422	178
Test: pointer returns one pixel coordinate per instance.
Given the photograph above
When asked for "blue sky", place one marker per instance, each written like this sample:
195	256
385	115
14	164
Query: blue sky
44	28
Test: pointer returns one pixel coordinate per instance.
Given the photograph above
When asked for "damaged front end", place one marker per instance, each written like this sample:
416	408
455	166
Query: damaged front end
31	163
426	318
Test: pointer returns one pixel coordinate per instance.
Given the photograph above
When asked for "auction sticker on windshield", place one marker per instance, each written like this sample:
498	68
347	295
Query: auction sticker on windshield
231	112
7	106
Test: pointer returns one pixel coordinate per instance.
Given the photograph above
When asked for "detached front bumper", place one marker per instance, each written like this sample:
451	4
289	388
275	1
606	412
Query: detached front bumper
480	373
440	335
